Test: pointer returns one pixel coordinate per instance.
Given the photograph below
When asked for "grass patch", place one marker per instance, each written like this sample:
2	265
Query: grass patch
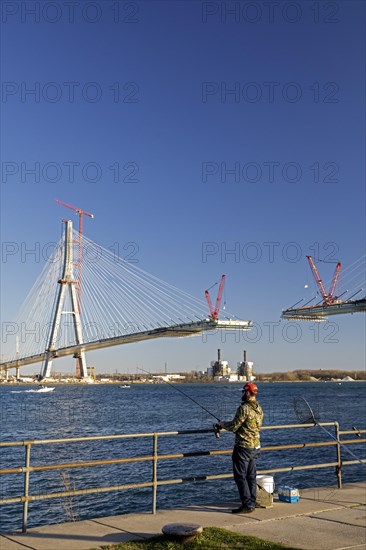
212	538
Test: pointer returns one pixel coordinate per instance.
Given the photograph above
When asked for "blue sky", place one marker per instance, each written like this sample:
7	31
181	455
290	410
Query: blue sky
172	96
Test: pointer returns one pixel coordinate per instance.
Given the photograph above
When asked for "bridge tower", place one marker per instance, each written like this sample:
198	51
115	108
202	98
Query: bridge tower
67	283
17	368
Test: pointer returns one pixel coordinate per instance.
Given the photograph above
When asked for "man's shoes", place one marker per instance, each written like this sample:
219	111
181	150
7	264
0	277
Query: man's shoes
243	510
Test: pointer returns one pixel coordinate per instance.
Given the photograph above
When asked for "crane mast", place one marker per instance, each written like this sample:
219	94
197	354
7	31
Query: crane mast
214	313
335	280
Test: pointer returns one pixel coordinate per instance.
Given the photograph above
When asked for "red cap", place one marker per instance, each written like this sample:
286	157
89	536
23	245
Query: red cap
252	388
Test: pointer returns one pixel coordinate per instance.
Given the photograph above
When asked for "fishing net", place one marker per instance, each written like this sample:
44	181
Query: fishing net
304	413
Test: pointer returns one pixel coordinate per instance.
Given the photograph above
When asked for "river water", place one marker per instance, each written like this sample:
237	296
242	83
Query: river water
88	410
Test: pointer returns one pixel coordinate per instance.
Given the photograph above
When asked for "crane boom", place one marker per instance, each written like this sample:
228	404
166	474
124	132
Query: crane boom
214	313
210	306
77	210
317	278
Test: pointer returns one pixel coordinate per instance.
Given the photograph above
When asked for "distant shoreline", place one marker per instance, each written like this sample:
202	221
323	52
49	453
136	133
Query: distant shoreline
137	383
195	377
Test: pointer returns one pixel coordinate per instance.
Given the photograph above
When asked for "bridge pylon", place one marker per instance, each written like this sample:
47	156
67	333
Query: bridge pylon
67	283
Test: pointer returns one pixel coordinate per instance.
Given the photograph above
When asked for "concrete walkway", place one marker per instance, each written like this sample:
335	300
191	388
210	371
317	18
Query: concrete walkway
324	519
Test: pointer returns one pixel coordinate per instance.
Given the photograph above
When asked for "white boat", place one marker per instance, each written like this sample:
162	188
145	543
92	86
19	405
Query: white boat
41	389
125	386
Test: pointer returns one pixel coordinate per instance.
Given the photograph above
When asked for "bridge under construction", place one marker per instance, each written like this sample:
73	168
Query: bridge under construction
330	303
87	298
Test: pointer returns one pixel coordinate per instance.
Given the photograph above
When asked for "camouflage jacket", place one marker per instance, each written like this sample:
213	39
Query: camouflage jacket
246	425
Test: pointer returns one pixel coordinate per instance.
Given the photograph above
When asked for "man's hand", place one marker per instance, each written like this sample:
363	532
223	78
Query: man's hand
217	429
222	424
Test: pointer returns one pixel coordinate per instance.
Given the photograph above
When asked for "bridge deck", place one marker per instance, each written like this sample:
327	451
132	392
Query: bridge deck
183	330
321	312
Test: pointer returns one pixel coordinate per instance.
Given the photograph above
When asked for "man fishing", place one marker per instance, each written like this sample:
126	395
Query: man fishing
246	425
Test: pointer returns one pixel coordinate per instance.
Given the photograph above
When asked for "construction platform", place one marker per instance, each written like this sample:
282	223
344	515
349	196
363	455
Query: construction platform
321	312
325	518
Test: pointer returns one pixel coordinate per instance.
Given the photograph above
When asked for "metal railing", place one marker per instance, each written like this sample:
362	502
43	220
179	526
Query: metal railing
154	458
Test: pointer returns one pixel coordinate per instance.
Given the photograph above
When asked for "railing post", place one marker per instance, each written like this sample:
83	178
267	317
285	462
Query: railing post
339	458
26	485
155	472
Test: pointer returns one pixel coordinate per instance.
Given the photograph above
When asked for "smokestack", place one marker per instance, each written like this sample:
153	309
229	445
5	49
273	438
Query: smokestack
218	355
245	356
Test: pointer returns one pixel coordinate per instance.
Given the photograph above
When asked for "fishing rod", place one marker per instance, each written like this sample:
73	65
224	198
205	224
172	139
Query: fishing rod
215	426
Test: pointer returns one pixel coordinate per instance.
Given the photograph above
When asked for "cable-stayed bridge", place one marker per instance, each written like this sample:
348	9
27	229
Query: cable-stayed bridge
113	302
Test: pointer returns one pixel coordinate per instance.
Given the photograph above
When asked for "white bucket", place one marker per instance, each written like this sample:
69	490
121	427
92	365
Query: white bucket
266	482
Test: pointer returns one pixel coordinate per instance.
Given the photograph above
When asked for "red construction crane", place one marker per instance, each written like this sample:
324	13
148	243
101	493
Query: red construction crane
328	298
214	313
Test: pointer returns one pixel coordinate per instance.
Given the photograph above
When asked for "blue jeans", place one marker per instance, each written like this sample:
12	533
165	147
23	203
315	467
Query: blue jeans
245	470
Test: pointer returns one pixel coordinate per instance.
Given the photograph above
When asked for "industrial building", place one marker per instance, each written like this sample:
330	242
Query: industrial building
219	370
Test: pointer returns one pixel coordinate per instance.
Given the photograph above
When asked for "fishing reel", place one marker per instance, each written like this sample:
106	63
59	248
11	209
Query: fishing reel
217	428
